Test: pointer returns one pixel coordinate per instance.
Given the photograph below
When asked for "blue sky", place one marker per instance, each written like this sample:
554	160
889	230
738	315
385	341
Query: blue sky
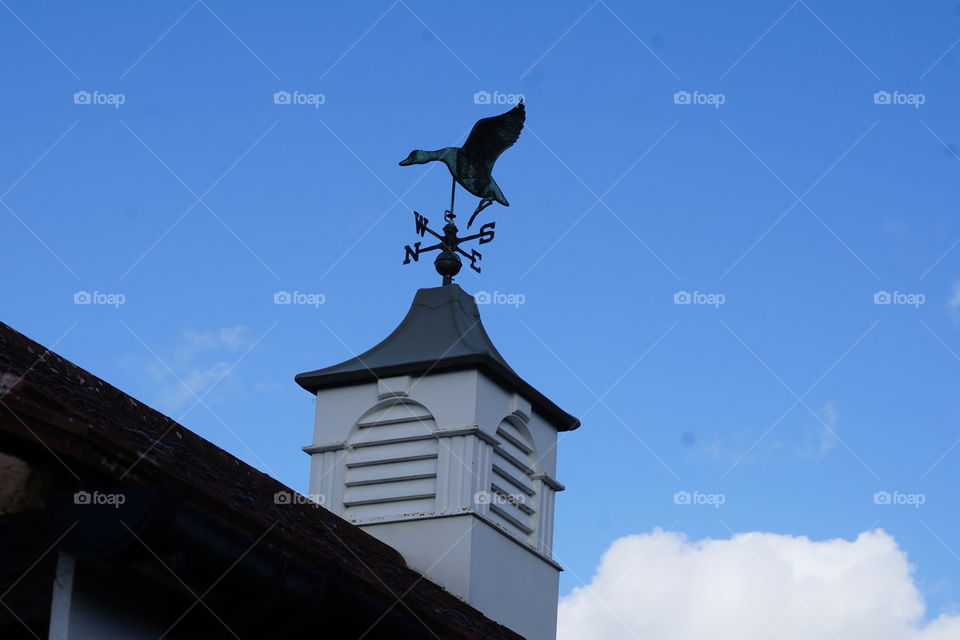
794	201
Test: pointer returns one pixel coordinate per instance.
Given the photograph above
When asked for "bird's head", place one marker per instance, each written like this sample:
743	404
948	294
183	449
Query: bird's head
415	157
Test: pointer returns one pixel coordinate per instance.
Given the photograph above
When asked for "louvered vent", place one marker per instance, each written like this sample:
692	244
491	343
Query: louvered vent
511	489
391	468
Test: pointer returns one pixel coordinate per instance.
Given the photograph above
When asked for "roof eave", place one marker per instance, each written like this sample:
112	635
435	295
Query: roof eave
314	381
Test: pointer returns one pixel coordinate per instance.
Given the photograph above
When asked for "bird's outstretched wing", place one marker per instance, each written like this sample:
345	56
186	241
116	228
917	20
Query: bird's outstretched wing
492	136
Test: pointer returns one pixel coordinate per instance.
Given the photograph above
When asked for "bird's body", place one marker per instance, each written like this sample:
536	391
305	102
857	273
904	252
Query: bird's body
472	164
470	173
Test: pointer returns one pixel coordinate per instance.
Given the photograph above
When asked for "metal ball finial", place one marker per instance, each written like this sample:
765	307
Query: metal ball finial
448	263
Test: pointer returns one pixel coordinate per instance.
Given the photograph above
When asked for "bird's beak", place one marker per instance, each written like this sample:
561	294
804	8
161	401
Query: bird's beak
406	162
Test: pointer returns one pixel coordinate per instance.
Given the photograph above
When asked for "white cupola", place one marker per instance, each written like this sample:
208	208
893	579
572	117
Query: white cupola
432	443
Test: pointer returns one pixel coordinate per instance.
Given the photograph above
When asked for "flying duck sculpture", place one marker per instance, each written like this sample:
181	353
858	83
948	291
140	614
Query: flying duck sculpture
472	164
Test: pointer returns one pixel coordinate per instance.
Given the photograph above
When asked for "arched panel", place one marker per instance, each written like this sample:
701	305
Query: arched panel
512	494
391	464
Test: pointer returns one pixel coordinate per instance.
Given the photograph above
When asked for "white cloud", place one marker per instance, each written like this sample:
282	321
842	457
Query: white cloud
753	586
198	360
954	301
823	436
828	430
230	338
192	386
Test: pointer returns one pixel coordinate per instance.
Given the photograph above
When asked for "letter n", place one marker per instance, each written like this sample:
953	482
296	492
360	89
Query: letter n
411	253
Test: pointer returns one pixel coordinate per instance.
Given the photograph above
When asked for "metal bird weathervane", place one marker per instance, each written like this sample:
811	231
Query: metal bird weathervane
471	166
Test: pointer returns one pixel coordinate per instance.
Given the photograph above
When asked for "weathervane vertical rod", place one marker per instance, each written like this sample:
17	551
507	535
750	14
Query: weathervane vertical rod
453	192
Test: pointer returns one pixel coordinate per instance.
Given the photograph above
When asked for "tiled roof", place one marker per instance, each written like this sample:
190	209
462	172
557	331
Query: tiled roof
53	411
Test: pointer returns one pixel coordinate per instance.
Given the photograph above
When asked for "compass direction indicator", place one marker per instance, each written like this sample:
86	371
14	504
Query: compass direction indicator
448	263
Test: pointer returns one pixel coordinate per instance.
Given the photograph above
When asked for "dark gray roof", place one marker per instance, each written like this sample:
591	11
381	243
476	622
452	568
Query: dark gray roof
75	431
442	331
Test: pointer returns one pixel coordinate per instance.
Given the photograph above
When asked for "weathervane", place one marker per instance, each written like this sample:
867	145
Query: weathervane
471	166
